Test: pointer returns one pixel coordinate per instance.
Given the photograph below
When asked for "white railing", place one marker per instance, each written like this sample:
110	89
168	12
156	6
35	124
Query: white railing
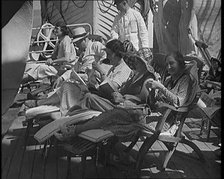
46	38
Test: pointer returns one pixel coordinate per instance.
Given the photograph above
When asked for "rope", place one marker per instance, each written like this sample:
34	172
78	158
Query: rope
79	6
108	7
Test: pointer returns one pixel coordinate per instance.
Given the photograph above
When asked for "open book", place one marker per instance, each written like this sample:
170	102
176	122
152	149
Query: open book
96	135
77	77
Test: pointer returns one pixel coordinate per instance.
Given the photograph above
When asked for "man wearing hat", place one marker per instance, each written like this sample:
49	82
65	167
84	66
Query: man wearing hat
129	25
64	51
89	51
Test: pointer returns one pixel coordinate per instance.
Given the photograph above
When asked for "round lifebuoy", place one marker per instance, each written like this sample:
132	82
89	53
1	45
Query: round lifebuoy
44	38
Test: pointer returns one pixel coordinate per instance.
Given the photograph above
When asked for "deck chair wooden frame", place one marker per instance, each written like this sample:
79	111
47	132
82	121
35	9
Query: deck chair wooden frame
170	142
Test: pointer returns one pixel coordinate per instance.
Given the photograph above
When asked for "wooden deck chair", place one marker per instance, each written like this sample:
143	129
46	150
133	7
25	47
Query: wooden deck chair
38	116
170	142
209	108
87	143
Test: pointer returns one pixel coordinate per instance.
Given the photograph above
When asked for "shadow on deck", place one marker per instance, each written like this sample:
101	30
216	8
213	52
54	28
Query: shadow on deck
28	163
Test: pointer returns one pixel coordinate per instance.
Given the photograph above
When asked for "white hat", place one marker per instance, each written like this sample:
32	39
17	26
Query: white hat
79	33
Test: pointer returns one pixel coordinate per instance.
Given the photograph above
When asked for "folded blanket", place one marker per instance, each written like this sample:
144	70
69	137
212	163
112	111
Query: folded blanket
47	131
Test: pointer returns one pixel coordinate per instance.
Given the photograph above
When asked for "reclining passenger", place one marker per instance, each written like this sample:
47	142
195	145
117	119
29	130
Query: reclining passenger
88	52
71	94
125	123
64	51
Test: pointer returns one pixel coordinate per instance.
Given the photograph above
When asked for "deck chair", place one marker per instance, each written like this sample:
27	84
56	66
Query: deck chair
209	106
154	134
170	142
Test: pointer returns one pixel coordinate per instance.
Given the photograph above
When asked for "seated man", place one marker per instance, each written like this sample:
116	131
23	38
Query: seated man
71	94
126	122
64	51
88	50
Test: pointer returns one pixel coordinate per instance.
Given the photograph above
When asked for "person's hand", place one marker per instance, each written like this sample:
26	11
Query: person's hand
153	84
49	61
117	97
95	65
58	82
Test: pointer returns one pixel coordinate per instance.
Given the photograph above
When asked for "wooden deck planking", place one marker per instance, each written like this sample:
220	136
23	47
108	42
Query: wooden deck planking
13	155
29	164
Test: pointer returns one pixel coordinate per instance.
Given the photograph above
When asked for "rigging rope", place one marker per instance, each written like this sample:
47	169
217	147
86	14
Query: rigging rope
108	7
81	5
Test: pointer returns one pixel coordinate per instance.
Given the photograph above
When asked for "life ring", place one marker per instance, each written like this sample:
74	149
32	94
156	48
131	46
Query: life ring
44	39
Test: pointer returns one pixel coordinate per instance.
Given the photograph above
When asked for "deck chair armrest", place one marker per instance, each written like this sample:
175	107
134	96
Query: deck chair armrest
178	109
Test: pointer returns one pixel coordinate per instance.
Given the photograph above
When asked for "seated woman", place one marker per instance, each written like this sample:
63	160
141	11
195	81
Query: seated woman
73	94
126	122
64	51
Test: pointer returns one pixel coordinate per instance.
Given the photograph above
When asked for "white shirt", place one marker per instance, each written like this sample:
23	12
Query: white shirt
94	52
118	74
130	26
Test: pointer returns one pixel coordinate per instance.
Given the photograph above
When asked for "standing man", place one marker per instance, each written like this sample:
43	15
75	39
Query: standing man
129	25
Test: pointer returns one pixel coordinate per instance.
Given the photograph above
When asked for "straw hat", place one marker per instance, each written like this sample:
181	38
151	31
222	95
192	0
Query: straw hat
79	33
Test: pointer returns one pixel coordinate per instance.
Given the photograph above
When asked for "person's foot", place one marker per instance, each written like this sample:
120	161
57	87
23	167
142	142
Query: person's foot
169	134
171	131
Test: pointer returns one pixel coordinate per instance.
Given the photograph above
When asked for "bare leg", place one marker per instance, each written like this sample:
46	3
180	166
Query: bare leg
52	100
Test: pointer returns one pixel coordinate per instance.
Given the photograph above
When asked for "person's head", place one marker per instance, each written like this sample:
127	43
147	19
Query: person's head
139	62
136	63
128	48
114	50
175	63
60	29
122	5
80	37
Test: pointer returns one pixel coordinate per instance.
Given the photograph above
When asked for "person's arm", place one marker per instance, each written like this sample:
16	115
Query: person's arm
54	54
63	59
66	45
96	66
178	98
142	30
99	53
114	29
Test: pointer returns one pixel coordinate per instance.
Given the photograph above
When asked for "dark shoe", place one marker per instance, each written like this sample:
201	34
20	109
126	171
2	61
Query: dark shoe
30	103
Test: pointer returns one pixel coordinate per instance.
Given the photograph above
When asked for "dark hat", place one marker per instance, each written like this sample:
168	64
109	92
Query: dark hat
146	55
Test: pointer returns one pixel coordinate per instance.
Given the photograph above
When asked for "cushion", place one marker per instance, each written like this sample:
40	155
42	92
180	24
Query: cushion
96	135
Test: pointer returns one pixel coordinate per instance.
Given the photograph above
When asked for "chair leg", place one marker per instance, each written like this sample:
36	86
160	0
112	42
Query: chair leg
68	166
149	141
202	126
209	125
83	165
95	165
28	128
128	149
168	156
194	147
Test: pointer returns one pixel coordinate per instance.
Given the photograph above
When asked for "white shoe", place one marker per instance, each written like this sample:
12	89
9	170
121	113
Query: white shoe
168	136
171	131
